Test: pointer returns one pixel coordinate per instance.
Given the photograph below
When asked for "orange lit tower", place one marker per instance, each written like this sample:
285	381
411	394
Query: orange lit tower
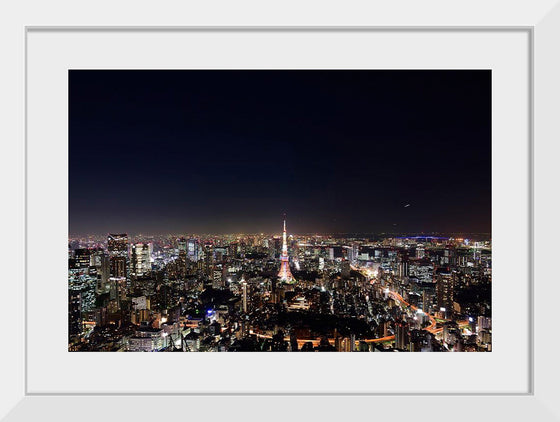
285	274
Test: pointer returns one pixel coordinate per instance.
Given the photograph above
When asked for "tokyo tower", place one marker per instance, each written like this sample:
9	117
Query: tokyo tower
285	274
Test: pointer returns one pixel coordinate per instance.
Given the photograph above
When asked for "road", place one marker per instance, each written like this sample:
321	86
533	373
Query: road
430	328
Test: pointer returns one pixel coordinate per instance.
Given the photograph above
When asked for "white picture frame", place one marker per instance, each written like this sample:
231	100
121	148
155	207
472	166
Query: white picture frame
541	22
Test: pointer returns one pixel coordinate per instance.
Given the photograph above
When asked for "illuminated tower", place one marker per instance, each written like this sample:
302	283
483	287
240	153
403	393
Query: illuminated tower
285	273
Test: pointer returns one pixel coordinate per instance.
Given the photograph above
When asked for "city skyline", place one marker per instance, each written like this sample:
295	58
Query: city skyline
481	235
220	152
223	294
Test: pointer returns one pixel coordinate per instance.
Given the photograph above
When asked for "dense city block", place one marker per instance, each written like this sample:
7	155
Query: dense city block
289	293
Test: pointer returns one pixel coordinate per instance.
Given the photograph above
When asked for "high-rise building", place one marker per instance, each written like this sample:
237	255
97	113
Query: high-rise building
209	260
224	275
401	336
403	265
445	288
192	249
140	258
103	273
217	278
82	258
449	255
182	263
277	246
244	287
118	288
285	274
352	254
484	323
74	313
182	244
182	259
232	250
118	266
117	246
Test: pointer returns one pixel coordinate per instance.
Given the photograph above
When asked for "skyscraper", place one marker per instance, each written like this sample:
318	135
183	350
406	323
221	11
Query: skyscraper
140	257
285	274
403	265
445	284
117	246
74	313
118	266
182	260
103	272
352	253
192	249
82	258
401	336
244	287
209	260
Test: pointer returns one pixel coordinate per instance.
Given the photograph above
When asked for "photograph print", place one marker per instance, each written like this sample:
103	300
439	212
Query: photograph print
280	211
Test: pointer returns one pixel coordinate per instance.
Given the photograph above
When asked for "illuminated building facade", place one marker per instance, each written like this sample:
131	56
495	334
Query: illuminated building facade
244	286
74	313
118	266
140	258
445	284
192	249
117	246
146	339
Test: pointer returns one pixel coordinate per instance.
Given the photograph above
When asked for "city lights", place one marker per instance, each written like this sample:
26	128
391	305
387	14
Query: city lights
280	211
238	293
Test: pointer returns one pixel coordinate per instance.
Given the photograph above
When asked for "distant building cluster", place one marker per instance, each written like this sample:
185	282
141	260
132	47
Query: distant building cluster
228	293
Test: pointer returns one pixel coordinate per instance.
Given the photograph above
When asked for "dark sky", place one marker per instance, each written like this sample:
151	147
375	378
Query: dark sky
225	151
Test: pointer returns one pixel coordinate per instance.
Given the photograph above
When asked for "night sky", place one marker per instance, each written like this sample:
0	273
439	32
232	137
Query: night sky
222	151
